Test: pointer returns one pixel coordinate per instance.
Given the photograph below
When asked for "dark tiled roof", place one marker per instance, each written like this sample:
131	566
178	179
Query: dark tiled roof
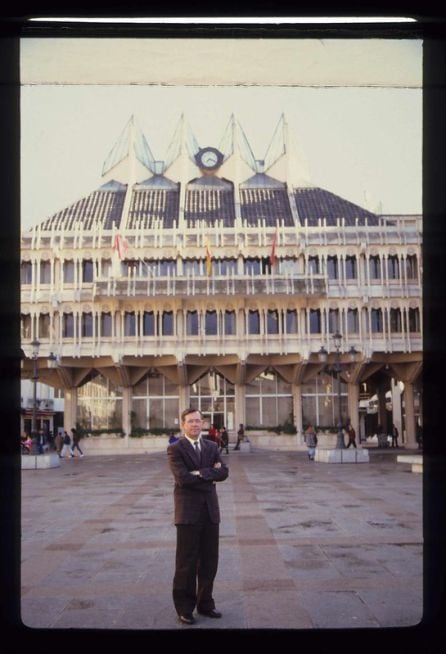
151	206
210	202
265	204
157	182
316	203
103	206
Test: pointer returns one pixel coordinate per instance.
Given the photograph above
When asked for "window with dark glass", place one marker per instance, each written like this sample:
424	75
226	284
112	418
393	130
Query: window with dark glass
411	267
167	267
45	272
315	321
291	321
225	267
351	268
68	272
87	325
229	323
393	267
44	325
87	270
313	265
106	324
129	323
272	321
25	324
374	267
395	320
377	320
192	323
210	325
332	267
68	325
253	322
167	323
333	321
148	323
26	272
252	266
414	320
352	321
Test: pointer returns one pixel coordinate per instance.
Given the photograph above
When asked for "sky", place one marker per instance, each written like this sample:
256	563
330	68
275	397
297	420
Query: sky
355	110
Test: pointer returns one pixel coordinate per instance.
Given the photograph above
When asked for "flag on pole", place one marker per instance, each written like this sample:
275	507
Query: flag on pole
208	258
121	246
272	257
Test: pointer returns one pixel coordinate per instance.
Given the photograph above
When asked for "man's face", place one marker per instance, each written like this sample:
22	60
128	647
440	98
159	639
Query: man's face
192	424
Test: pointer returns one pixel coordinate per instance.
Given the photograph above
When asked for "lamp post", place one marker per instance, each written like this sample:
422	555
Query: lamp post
35	353
337	339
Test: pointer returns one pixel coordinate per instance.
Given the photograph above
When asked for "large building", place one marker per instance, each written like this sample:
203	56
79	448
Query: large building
217	280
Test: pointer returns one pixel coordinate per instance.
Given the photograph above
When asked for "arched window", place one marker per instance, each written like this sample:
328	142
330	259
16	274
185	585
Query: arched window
106	324
313	265
45	272
332	267
192	323
229	323
411	266
68	272
167	322
44	325
210	326
352	321
87	270
333	321
67	325
374	267
291	321
377	320
253	322
393	267
26	272
129	323
395	320
25	325
272	321
315	321
414	320
148	323
351	268
87	325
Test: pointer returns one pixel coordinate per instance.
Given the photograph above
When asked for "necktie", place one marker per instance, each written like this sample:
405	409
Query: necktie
197	450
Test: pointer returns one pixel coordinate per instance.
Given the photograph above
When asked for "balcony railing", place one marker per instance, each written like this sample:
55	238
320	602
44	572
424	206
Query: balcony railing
241	285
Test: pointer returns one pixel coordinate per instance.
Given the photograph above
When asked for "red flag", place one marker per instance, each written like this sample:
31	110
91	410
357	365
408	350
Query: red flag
208	258
272	257
121	246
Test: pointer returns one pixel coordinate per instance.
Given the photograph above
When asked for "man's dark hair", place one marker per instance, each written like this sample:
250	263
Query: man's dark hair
189	410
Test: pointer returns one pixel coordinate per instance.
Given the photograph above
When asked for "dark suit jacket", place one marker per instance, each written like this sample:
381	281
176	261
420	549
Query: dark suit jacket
191	492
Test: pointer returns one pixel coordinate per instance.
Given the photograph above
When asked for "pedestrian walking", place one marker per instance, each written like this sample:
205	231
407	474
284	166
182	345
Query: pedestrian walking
394	435
224	440
311	441
75	442
196	467
351	435
65	445
240	436
58	441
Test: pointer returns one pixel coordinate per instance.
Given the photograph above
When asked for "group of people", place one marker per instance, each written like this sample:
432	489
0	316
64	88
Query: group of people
311	439
66	444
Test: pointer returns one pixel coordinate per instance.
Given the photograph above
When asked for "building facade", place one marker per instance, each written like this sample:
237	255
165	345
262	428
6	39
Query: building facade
213	279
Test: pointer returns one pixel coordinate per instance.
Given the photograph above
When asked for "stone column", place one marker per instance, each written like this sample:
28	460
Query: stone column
409	416
240	410
396	408
126	412
296	390
70	404
353	408
184	395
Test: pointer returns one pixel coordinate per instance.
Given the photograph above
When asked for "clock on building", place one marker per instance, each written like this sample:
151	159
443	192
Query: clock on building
209	158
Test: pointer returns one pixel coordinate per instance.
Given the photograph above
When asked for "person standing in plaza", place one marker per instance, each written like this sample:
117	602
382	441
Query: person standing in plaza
394	435
240	437
311	440
351	435
224	440
66	443
75	442
196	466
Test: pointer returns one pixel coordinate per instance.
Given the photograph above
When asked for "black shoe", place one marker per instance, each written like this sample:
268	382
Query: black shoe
186	618
212	613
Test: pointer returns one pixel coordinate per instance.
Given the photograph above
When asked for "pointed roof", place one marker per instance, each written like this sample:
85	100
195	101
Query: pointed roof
183	142
130	141
234	141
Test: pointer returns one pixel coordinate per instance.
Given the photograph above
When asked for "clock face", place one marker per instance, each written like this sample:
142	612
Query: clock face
209	158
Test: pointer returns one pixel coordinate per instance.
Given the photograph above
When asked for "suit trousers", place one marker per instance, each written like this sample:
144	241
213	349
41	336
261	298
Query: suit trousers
196	565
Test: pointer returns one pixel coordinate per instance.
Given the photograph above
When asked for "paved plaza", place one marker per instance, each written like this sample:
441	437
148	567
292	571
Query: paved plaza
303	545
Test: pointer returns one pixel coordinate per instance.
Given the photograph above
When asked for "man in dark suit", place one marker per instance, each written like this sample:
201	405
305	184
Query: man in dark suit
196	466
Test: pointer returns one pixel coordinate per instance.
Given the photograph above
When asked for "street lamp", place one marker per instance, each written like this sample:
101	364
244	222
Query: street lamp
337	339
35	353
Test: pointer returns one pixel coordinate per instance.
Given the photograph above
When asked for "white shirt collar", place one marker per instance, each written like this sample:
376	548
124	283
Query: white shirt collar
191	441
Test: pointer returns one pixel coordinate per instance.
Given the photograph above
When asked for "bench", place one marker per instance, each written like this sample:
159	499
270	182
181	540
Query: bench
415	461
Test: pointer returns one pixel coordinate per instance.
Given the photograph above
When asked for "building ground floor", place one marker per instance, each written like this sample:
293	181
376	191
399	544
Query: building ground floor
279	394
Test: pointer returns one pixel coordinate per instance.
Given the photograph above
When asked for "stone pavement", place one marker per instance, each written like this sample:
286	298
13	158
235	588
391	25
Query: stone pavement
304	545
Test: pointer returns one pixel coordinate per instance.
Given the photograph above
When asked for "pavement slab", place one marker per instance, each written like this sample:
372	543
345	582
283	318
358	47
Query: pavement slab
303	545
